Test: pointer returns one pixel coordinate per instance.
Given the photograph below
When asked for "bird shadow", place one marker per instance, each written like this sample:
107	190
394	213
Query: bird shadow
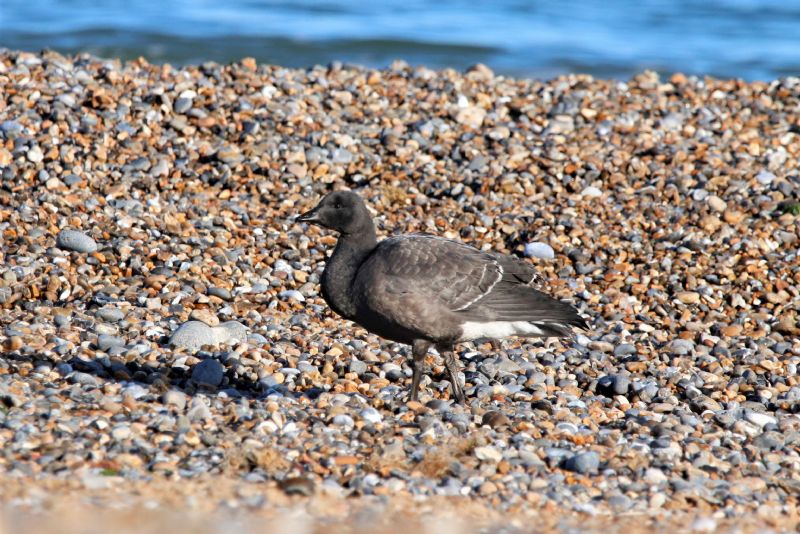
96	372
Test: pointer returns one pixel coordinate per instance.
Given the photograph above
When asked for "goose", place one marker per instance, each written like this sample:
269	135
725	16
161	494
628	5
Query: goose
424	291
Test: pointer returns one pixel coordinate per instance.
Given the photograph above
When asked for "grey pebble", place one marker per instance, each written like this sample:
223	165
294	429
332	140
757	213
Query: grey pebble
342	155
208	372
299	319
84	379
358	367
10	129
110	314
106	342
625	349
725	418
75	241
182	105
682	347
5	294
702	403
72	179
307	368
269	382
135	390
231	331
770	441
64	369
583	462
611	385
220	292
257	339
192	335
138	164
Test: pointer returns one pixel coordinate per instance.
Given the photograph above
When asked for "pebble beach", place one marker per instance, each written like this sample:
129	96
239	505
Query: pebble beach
169	364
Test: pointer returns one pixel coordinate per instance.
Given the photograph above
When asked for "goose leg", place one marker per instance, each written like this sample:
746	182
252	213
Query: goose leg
451	364
418	350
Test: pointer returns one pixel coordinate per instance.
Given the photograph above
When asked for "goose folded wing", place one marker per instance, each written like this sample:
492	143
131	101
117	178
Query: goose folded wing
451	274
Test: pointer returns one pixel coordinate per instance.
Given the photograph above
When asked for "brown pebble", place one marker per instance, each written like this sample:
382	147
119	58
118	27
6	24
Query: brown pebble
733	216
688	297
415	406
13	343
731	330
111	406
495	419
487	488
204	315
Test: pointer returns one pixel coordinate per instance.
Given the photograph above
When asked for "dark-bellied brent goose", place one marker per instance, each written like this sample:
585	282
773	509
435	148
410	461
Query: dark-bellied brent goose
424	290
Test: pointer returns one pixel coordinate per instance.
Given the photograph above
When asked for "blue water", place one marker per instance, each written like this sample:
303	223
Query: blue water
748	39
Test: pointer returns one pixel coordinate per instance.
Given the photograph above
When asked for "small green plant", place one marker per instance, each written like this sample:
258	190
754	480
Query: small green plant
108	472
791	207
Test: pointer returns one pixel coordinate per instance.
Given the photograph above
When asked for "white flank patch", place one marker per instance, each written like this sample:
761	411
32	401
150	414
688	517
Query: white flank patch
498	329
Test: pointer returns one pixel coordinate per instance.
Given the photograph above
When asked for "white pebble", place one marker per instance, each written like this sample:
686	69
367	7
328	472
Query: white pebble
704	524
488	454
540	250
654	476
292	294
592	192
371	415
716	203
121	432
760	419
192	335
765	177
343	420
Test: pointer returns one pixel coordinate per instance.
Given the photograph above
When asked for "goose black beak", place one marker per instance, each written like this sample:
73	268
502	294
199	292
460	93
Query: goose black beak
311	216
